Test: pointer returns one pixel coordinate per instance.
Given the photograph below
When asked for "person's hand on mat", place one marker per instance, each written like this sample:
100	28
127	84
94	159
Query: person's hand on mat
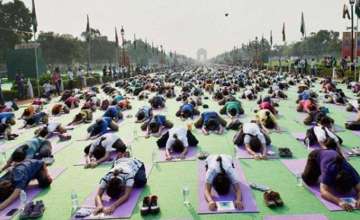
238	204
182	156
109	210
346	206
212	206
147	136
98	210
257	157
263	157
93	164
168	157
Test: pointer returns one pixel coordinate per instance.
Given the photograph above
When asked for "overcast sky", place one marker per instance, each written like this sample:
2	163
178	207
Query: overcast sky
186	25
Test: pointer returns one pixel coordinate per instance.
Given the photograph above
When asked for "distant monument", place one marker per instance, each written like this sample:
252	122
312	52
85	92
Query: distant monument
201	55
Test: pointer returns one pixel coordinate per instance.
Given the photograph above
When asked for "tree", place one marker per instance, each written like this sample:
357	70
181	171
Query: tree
15	23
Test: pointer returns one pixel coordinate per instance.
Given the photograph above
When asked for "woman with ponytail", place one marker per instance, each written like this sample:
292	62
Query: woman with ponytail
221	175
335	174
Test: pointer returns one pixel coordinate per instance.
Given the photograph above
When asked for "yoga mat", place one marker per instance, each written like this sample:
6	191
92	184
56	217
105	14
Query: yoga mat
191	155
300	136
248	199
31	192
297	217
296	167
113	155
58	146
356	133
241	153
123	211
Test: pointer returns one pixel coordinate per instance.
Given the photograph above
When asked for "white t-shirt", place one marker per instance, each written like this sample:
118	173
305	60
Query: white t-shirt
128	168
181	134
213	168
110	139
321	135
52	126
251	128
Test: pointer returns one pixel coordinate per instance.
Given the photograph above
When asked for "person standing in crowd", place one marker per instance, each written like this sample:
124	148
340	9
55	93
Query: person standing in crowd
70	77
20	85
313	67
56	79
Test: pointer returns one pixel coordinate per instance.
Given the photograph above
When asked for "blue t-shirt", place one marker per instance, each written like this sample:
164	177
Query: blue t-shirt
26	171
112	112
329	169
36	118
305	95
159	120
33	147
5	116
206	116
187	107
118	98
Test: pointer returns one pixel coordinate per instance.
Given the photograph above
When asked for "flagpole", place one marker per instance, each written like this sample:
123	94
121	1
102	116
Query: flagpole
36	67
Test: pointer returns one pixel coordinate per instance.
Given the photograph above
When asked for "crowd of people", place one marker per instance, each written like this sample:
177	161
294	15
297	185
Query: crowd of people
228	87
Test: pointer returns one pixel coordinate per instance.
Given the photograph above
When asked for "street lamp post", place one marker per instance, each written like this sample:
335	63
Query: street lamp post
352	2
122	31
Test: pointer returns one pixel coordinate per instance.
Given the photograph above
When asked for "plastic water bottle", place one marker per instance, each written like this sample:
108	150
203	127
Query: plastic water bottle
299	180
186	193
154	156
74	202
135	134
2	158
23	199
129	147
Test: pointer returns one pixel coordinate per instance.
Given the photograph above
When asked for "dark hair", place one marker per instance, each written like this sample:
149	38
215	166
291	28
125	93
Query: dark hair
119	146
212	124
325	121
6	189
140	115
255	144
153	127
99	150
56	109
269	123
43	132
186	113
343	180
78	117
115	187
232	112
221	182
20	153
177	146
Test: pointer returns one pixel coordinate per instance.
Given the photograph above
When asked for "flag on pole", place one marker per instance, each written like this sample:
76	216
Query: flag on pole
357	8
33	17
271	38
302	27
283	33
87	29
134	41
346	13
116	38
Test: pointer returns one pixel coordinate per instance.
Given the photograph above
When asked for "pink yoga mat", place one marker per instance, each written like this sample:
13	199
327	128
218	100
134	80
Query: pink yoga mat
241	153
123	211
296	167
248	199
297	217
191	155
31	194
113	156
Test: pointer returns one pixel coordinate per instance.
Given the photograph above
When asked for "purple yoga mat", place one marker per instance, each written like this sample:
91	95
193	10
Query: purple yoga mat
191	155
297	217
356	133
31	194
248	199
123	211
241	153
300	136
113	156
296	167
